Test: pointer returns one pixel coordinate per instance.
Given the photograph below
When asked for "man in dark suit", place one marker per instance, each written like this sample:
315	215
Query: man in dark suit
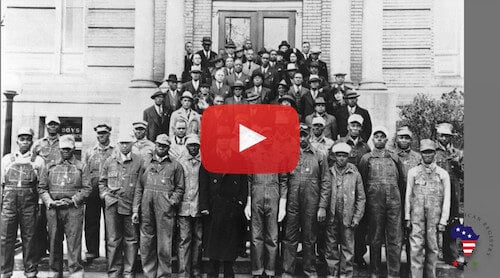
313	67
173	94
308	100
156	116
238	74
264	94
306	47
352	107
322	68
206	53
218	85
230	49
188	58
269	73
237	97
297	90
193	86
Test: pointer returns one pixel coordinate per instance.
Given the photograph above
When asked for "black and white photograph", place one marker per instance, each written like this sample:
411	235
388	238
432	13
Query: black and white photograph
108	151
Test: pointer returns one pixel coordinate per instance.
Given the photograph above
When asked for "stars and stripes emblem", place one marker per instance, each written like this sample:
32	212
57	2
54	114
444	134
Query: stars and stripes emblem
467	236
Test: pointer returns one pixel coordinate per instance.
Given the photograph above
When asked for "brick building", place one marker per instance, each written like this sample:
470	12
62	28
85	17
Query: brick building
90	61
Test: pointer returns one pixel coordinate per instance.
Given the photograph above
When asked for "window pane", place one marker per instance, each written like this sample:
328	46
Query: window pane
275	31
29	30
73	29
237	29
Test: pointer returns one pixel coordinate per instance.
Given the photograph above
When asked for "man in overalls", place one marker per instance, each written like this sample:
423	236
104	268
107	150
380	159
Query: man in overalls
427	209
20	172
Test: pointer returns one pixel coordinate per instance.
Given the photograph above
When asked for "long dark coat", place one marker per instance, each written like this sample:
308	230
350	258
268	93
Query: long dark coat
224	196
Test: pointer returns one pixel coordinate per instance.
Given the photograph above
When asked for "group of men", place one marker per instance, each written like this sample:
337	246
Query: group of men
341	196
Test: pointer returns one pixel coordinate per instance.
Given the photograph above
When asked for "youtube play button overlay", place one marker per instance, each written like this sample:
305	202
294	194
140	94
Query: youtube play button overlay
250	139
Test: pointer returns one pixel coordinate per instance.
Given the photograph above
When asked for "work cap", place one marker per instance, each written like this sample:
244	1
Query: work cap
102	127
140	124
25	131
427	144
163	139
318	121
52	119
341	148
355	118
382	129
67	141
445	128
404	130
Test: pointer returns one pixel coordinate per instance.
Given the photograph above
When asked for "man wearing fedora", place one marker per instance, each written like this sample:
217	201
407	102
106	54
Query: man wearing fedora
206	53
284	46
249	66
330	128
186	113
173	94
352	107
281	91
308	100
217	63
156	116
237	97
291	69
237	74
269	73
314	57
313	68
230	49
193	86
258	89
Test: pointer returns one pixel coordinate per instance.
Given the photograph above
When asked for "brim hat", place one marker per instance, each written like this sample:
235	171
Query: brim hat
140	124
341	148
288	98
284	43
192	139
25	131
445	128
102	127
318	120
157	93
206	40
163	139
404	130
355	118
351	94
125	138
187	94
52	119
67	141
253	97
382	129
238	84
314	78
319	100
427	144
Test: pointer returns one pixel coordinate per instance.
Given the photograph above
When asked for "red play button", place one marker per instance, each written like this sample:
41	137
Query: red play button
249	139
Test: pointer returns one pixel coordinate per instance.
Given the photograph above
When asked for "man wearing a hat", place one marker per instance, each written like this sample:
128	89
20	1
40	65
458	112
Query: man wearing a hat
156	116
230	49
48	148
206	53
94	158
173	94
282	91
330	128
450	158
318	140
383	179
204	99
216	63
142	146
237	93
239	53
237	74
64	187
178	140
284	46
427	209
308	100
20	174
308	187
118	180
186	113
269	73
258	90
291	69
352	107
313	67
157	196
193	85
219	86
190	221
287	100
314	57
196	64
249	66
346	202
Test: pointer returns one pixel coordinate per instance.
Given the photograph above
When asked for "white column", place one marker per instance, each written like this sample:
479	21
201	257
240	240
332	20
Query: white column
371	49
340	41
174	38
144	44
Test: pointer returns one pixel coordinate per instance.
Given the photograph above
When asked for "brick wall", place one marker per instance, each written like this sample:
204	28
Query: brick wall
159	49
356	28
188	20
326	10
202	22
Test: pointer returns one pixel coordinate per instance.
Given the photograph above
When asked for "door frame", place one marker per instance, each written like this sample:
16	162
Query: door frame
254	35
277	14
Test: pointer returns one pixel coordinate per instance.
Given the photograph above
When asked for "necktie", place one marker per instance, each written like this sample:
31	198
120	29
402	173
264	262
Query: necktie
249	65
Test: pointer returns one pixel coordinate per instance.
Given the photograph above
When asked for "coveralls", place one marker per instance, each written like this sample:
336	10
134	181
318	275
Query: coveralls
427	205
160	189
308	189
118	180
20	174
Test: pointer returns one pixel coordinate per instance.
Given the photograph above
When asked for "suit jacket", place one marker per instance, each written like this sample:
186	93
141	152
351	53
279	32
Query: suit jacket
157	124
187	63
231	100
172	104
205	75
205	61
230	79
265	94
307	103
342	115
224	91
188	86
330	130
249	67
270	77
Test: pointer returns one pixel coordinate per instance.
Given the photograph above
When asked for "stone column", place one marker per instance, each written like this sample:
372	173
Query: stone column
9	100
371	49
174	38
340	42
144	44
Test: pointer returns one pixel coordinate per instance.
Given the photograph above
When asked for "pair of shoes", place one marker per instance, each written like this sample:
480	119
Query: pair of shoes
361	263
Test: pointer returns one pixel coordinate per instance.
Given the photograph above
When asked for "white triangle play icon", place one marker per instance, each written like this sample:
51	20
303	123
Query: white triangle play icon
249	138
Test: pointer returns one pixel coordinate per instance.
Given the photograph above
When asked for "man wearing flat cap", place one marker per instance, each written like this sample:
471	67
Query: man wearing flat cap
186	113
352	107
156	116
94	159
308	100
346	202
319	142
314	57
450	158
206	53
117	182
20	175
258	89
158	193
383	179
142	146
64	187
237	93
427	209
330	128
48	148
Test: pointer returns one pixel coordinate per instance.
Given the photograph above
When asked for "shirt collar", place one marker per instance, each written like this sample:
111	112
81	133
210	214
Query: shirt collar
18	154
161	159
126	157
